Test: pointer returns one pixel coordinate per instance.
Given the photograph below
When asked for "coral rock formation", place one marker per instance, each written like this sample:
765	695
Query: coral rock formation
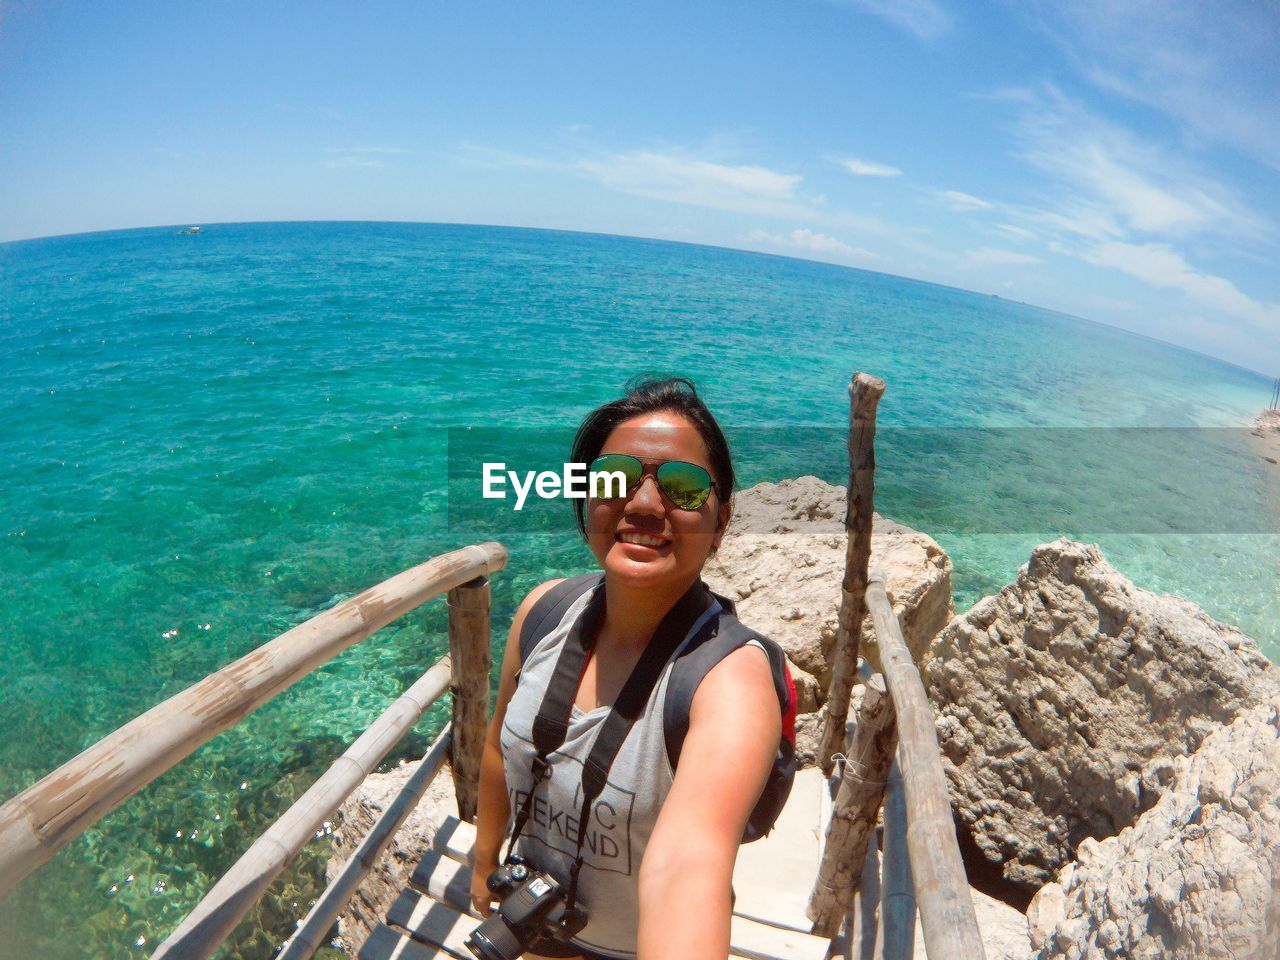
1064	700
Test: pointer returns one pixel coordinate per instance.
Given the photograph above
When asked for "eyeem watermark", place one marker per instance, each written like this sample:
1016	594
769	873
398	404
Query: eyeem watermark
573	482
1042	482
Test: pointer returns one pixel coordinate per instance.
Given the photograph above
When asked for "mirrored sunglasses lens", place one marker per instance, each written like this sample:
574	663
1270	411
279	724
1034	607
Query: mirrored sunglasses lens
608	488
686	485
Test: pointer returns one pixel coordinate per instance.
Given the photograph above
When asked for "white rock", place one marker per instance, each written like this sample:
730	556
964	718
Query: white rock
1065	700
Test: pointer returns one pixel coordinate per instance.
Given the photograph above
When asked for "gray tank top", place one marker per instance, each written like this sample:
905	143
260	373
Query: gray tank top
624	814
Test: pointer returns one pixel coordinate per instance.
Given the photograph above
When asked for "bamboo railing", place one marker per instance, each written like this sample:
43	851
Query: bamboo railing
42	819
894	718
315	926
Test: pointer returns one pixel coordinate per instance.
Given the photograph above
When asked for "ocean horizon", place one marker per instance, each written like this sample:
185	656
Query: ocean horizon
211	438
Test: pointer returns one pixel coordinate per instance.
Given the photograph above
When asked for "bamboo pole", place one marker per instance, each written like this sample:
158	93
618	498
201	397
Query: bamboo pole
896	934
469	641
42	819
942	889
853	818
320	918
864	398
215	916
862	917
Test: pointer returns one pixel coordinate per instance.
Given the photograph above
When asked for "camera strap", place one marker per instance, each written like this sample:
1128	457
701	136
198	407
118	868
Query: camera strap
551	726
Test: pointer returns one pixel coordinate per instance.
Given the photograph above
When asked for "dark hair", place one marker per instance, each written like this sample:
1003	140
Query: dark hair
645	394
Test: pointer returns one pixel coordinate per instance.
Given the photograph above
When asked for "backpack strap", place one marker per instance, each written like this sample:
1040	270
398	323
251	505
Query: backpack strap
692	666
551	608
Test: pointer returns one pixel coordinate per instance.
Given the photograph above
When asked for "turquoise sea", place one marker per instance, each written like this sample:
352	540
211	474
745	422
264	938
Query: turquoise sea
208	439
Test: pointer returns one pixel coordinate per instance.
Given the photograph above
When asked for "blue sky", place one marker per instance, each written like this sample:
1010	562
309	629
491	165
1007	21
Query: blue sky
1115	160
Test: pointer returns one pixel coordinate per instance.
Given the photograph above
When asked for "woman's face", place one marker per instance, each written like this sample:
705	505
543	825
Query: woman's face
678	541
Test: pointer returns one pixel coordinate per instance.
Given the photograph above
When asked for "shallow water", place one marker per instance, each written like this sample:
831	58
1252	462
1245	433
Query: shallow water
210	439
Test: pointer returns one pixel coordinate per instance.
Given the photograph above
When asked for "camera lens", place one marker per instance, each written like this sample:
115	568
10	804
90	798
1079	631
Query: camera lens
494	940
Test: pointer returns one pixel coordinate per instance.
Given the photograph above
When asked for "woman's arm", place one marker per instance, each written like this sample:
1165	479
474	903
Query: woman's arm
492	807
734	725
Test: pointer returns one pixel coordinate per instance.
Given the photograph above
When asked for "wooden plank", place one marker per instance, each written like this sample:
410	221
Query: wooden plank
386	944
863	917
776	907
445	879
45	817
759	941
432	923
772	876
455	839
895	940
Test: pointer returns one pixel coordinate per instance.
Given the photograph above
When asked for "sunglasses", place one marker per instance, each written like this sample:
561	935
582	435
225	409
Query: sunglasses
686	485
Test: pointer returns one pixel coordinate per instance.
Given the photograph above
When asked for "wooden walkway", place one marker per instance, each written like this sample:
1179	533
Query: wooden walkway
772	881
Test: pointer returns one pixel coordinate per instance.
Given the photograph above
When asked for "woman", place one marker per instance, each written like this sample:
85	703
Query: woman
656	878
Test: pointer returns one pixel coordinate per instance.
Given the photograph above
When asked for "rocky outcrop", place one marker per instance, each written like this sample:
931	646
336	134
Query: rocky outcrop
1198	876
392	870
1064	700
782	562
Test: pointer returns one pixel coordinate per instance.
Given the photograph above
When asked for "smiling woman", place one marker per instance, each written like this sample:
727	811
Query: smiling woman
628	828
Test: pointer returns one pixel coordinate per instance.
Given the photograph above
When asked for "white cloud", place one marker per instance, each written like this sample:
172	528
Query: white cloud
924	18
1022	233
809	240
1212	67
964	202
678	178
1143	204
1120	183
371	157
479	155
863	168
1079	219
1161	266
994	257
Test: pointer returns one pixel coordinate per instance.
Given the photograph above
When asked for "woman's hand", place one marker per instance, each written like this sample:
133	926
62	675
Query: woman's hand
735	723
481	899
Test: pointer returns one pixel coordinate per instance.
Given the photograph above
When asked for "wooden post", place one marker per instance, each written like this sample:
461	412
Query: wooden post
469	641
216	915
864	397
896	935
42	819
942	889
853	818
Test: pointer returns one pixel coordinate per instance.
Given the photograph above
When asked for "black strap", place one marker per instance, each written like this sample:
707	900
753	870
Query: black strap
697	660
551	725
551	608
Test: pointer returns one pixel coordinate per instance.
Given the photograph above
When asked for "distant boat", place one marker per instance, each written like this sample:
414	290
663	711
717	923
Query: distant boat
193	231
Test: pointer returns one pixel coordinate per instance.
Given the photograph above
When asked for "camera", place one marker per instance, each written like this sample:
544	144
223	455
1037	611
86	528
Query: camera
533	907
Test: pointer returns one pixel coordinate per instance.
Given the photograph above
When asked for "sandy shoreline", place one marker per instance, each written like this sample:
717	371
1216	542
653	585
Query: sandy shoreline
1265	435
1264	440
